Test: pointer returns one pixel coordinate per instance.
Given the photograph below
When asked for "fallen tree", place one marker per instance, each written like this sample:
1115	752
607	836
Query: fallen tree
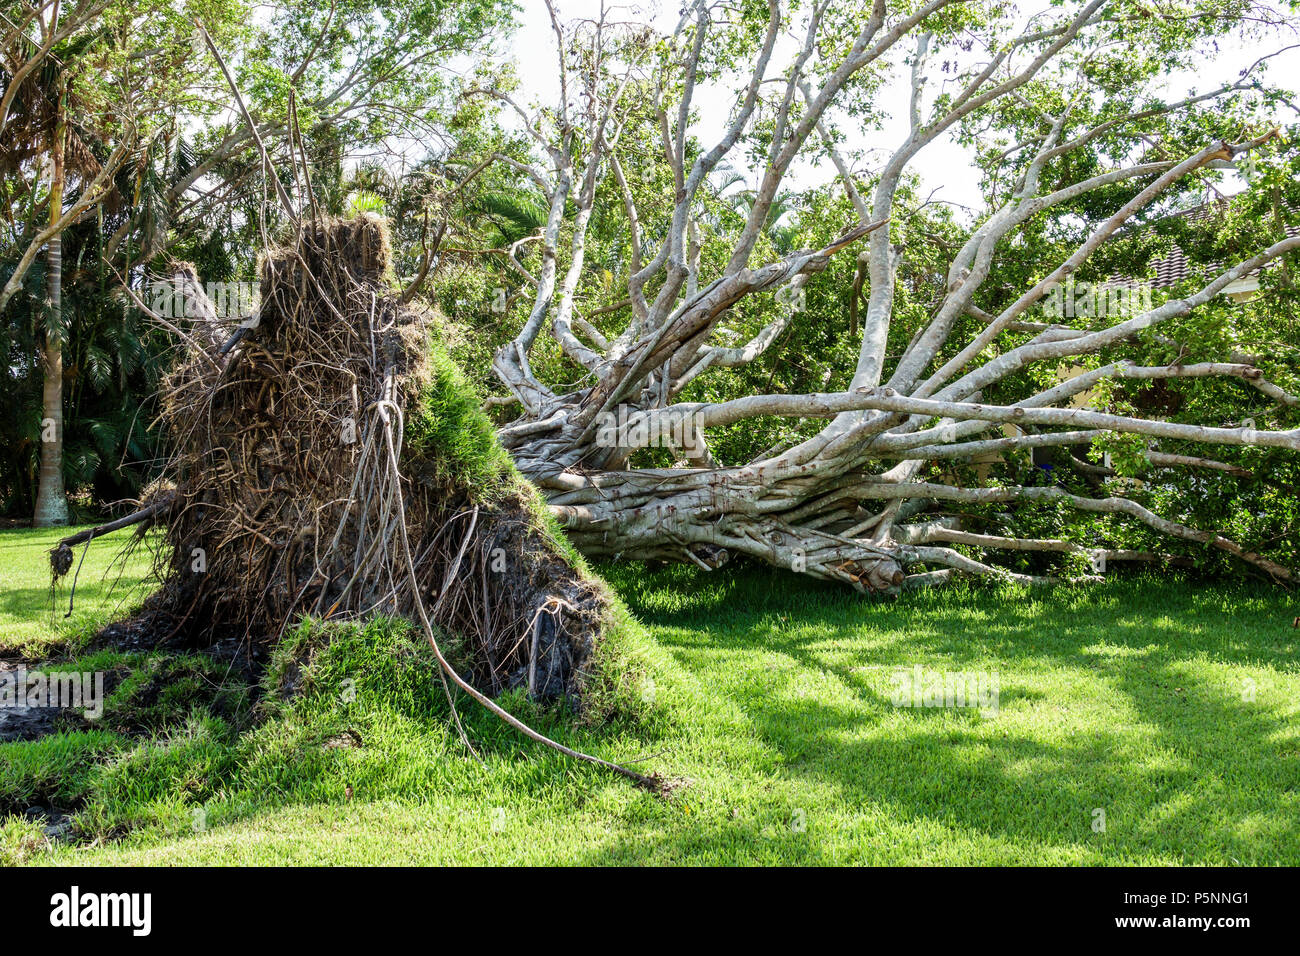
840	504
333	463
280	497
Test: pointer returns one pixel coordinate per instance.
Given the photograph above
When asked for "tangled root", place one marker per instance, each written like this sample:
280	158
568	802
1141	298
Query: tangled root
283	501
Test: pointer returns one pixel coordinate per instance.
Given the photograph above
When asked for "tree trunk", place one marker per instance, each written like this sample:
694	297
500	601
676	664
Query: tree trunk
51	502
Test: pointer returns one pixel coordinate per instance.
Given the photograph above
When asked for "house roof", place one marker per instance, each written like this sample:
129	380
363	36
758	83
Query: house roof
1174	267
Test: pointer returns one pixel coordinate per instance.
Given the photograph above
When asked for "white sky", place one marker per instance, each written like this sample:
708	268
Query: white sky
943	164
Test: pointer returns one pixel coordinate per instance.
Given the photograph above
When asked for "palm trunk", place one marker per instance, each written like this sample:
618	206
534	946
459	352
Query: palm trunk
51	502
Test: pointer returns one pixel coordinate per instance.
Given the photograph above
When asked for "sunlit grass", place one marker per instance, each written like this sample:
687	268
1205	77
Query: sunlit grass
1171	707
33	618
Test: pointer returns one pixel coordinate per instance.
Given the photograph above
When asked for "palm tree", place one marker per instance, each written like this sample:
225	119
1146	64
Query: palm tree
51	501
38	129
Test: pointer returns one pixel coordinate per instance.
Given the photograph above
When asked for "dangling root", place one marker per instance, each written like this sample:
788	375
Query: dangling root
652	783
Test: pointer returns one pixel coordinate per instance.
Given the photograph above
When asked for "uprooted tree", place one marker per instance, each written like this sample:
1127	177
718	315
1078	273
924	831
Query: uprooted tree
328	459
1070	89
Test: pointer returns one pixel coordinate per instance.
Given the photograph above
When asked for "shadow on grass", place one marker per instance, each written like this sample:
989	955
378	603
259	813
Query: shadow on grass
1167	706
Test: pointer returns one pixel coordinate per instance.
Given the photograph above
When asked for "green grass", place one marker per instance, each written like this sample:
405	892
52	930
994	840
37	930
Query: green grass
32	619
1173	707
448	436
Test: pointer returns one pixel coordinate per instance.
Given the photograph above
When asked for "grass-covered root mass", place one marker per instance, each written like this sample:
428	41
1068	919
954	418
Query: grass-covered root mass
334	462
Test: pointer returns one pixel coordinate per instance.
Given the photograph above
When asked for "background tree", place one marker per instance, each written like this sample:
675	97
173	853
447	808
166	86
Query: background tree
174	177
1076	144
86	87
35	123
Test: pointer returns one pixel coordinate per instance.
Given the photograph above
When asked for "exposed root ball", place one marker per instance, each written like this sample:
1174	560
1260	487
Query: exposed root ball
61	560
284	499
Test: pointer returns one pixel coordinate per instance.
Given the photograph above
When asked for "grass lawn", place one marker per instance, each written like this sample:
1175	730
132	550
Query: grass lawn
1172	707
29	620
